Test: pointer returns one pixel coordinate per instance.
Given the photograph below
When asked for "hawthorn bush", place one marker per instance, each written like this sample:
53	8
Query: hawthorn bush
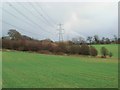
49	47
93	51
84	50
104	52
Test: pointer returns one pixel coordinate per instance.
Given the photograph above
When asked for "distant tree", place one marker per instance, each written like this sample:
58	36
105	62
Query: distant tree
79	40
93	51
103	40
89	38
104	52
110	54
26	37
96	39
75	40
107	41
115	39
14	35
119	40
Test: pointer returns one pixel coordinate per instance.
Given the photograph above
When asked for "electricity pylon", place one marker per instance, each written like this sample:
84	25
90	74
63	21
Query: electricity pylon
60	32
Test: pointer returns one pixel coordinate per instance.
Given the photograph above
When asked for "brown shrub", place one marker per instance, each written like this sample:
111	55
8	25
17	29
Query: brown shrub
60	53
93	51
84	50
44	52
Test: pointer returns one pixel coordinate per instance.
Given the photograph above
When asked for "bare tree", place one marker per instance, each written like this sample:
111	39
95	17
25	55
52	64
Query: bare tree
75	40
79	40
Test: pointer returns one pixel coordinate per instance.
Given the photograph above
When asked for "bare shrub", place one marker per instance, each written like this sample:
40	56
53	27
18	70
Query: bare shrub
84	50
93	51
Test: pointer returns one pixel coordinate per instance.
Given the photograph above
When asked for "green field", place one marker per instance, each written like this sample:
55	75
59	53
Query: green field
111	47
21	69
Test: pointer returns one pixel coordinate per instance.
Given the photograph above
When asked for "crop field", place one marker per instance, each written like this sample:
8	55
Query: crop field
59	45
23	69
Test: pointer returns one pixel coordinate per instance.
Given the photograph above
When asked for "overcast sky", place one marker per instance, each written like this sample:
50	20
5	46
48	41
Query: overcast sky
78	19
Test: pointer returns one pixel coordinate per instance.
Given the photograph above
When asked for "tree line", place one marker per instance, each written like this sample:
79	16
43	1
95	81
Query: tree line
16	41
96	40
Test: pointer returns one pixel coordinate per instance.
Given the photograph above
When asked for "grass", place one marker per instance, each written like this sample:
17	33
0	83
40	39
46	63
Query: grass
111	47
33	70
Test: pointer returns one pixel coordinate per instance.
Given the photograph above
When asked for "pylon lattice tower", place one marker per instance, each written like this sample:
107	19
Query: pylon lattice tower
60	32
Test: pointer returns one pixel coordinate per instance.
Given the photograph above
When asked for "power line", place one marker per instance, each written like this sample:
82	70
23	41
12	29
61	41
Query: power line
33	14
46	14
19	27
16	16
40	14
25	29
26	17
